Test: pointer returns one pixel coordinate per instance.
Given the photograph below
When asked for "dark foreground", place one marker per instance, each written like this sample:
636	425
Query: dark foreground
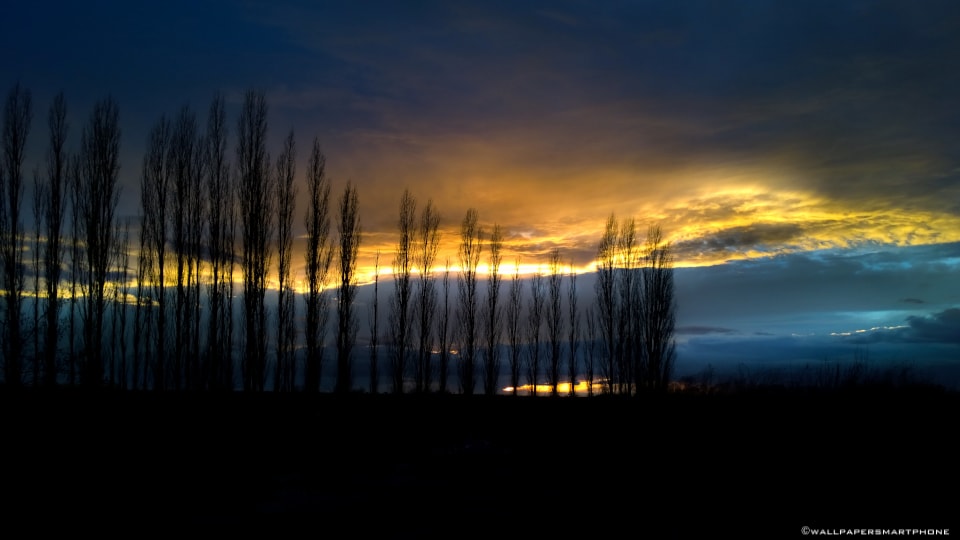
757	465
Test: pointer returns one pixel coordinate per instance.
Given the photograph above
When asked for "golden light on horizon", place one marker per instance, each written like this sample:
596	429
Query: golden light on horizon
737	218
580	388
741	215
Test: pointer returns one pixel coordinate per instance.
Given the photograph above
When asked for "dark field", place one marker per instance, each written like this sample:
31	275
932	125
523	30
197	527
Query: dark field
759	464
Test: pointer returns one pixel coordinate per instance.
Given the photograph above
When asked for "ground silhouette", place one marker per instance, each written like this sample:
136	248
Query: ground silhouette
764	463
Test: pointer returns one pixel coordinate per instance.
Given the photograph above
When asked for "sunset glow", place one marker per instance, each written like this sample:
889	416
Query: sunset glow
580	388
800	159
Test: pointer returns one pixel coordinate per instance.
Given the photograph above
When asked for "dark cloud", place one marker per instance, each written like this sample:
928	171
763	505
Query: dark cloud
812	89
809	289
548	111
759	236
942	327
703	330
937	328
912	301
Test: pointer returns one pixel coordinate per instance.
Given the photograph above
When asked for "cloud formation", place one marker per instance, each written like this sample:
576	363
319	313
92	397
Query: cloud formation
746	130
942	327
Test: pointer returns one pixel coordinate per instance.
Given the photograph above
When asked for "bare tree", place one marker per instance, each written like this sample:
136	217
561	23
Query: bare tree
514	328
493	315
155	186
38	197
555	321
428	242
220	235
319	255
658	313
471	236
17	116
590	359
350	233
401	320
255	192
626	313
113	360
375	328
607	301
534	330
119	289
143	320
443	332
98	197
75	188
573	329
53	210
286	372
179	161
198	210
229	271
185	163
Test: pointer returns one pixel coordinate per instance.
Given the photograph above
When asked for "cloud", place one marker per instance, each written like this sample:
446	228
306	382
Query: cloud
634	98
745	130
754	221
936	328
736	239
941	327
821	291
703	330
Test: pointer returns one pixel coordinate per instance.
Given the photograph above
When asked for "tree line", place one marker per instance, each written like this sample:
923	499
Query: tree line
167	320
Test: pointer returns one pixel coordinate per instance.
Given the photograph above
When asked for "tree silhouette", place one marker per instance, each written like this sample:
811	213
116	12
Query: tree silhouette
155	187
256	211
143	320
221	224
471	236
555	321
493	315
286	372
178	160
590	359
349	248
38	196
573	329
53	211
401	319
443	332
607	301
534	330
515	328
319	255
198	209
186	164
17	116
659	312
75	187
98	195
375	328
120	290
428	242
190	205
626	311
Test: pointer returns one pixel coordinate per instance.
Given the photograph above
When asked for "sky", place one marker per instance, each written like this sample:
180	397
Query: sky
802	156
